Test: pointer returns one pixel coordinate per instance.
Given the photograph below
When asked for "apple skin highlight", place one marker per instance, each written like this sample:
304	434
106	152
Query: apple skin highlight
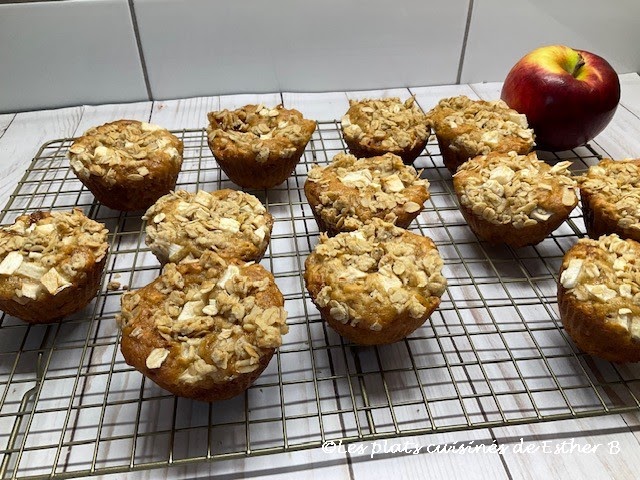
569	96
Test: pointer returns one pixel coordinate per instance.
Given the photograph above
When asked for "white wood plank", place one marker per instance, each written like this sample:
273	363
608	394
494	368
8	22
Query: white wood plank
22	140
428	97
487	91
308	464
621	138
318	106
98	115
630	92
231	102
401	93
187	113
427	463
5	121
602	463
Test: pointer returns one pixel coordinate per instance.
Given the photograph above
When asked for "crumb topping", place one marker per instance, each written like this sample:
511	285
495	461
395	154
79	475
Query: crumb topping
617	185
212	318
266	132
182	225
606	271
126	149
383	187
379	264
479	126
48	252
516	189
387	123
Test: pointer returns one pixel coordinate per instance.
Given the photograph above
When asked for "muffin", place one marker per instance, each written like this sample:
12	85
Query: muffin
182	226
51	264
349	192
256	146
205	329
516	200
374	127
375	285
467	128
127	164
599	297
610	194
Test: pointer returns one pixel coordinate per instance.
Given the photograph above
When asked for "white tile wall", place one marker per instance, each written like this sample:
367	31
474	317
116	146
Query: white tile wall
84	51
68	53
502	31
200	47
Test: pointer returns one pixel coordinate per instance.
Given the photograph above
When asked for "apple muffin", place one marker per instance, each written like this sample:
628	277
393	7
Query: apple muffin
610	193
256	146
599	297
181	226
467	128
127	164
205	329
377	284
373	127
516	200
349	192
51	264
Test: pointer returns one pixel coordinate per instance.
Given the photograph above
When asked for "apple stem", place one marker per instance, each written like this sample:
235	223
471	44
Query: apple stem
578	66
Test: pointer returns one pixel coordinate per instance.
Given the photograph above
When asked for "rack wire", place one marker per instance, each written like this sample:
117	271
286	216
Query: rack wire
493	354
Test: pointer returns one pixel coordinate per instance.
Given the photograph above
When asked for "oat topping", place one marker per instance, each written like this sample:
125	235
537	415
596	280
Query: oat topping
607	272
261	130
479	125
516	189
385	188
380	264
49	252
182	225
617	185
387	123
125	149
211	318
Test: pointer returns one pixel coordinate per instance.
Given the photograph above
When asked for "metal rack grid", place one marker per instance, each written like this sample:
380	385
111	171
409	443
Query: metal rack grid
493	354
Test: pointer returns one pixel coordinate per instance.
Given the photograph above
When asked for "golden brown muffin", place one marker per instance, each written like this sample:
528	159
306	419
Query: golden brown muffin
206	329
467	128
349	192
374	127
127	164
513	199
375	285
256	146
50	264
599	297
181	226
610	194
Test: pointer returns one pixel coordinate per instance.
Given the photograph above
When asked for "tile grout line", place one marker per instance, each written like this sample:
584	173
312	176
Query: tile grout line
465	38
143	63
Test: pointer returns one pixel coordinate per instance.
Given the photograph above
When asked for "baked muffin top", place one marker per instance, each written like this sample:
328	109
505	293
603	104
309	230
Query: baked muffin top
260	132
516	189
481	126
208	319
352	191
125	150
386	124
615	189
606	272
182	225
371	276
47	252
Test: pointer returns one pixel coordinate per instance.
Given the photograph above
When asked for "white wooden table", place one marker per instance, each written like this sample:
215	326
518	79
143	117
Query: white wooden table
558	449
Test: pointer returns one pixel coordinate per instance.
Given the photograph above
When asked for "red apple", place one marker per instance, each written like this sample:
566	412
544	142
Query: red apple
568	96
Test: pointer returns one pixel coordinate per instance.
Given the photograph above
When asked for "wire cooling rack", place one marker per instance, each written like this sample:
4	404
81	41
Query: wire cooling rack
493	354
